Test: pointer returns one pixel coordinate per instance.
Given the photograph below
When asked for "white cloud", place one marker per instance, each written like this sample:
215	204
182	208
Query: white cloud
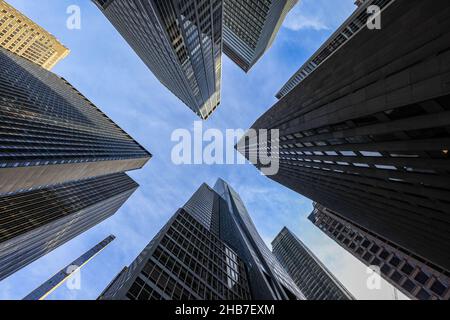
318	15
298	22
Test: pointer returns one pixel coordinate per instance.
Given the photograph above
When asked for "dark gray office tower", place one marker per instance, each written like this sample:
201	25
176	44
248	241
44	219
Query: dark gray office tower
368	133
344	34
34	223
179	41
209	250
59	278
51	134
250	28
311	276
416	277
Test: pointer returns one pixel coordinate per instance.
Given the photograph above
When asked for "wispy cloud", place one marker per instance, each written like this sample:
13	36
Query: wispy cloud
318	15
299	21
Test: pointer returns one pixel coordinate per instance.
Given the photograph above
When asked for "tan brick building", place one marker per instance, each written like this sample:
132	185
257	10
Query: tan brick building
22	36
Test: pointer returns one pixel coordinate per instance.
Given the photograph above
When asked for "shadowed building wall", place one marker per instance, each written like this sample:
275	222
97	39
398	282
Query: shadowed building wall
367	134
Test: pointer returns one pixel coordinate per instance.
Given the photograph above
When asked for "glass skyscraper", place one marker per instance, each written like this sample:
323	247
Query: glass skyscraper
179	41
52	134
36	222
63	275
209	250
367	133
310	275
62	163
250	28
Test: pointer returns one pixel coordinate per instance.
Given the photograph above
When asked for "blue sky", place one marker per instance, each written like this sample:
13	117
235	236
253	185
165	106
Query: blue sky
103	67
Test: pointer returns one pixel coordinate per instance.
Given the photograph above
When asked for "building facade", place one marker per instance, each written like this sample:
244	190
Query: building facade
354	24
34	223
311	276
367	134
62	163
250	28
58	279
52	134
205	252
179	41
415	277
22	36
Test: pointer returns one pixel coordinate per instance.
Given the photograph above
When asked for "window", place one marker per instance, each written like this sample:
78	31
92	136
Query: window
423	295
407	268
384	254
396	276
438	288
394	261
421	277
409	285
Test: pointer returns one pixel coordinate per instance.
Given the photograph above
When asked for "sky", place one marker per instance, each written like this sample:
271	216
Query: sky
104	68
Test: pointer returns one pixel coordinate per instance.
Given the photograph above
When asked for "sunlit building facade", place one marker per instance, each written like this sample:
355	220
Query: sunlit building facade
63	275
179	41
22	36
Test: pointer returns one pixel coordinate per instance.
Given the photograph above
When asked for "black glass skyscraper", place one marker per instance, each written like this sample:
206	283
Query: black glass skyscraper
209	250
310	275
61	163
51	134
367	134
36	222
179	41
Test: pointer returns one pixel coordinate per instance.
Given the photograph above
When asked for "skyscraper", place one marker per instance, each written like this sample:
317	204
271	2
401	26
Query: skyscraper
34	223
311	276
250	28
179	41
58	279
52	134
344	34
414	276
22	36
367	133
209	250
61	163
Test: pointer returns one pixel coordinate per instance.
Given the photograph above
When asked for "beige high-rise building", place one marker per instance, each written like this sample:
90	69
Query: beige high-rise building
24	37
